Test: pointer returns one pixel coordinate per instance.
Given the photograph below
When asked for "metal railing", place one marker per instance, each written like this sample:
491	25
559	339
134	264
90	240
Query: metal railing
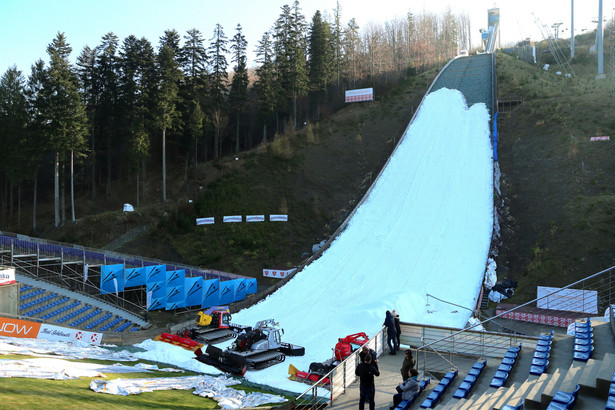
66	265
319	395
441	348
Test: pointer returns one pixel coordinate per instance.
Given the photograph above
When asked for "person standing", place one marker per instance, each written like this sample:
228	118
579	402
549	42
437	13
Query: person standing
397	327
389	322
367	389
365	351
408	364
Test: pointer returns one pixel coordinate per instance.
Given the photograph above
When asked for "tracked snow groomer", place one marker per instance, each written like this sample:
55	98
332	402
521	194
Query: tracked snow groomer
213	326
253	349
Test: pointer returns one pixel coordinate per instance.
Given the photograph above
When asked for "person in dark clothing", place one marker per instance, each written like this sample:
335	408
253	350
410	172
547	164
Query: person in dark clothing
365	351
367	389
407	389
397	327
408	364
389	322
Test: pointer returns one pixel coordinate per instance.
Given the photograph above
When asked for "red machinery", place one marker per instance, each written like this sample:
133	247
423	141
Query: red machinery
343	348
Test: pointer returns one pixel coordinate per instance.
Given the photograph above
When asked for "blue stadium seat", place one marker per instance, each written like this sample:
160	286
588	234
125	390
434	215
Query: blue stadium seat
468	382
123	326
564	400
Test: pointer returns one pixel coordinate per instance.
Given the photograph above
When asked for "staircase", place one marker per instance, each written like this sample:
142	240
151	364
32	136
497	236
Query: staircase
537	391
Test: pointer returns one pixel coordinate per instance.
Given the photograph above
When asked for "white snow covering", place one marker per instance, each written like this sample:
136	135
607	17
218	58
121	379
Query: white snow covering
425	229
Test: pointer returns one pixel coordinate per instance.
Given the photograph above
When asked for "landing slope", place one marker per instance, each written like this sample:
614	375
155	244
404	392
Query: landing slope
424	229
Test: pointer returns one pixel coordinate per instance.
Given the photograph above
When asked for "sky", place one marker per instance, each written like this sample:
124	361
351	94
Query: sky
423	233
28	26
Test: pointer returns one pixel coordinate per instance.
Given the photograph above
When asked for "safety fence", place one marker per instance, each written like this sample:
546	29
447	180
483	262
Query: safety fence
321	395
79	268
440	348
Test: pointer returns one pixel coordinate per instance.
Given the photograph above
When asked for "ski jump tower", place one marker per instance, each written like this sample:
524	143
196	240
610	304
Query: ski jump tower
490	37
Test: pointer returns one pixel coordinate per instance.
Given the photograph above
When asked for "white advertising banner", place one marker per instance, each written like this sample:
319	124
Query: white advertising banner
7	276
233	218
277	273
572	300
56	333
278	218
255	218
362	94
205	221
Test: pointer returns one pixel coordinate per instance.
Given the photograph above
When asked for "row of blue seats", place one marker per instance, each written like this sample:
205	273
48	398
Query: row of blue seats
109	325
86	317
37	301
610	402
564	400
98	321
124	326
31	294
405	404
433	398
504	369
48	306
73	314
56	312
583	341
470	380
540	361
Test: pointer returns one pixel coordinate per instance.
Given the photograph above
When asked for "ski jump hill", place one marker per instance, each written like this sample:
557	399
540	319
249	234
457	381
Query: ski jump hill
419	240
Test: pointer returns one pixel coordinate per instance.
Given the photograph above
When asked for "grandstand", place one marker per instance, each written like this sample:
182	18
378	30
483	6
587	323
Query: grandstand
60	284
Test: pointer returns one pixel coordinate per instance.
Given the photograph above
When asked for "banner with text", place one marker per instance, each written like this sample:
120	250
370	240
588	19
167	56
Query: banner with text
232	218
205	221
7	276
358	95
32	330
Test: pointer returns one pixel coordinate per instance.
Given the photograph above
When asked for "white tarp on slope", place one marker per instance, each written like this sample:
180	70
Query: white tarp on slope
59	369
424	229
74	350
215	388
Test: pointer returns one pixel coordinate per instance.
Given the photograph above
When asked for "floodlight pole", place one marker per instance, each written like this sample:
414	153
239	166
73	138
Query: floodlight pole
571	29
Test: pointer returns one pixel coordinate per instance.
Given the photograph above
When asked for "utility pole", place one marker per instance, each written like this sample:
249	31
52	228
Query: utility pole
600	45
571	29
555	27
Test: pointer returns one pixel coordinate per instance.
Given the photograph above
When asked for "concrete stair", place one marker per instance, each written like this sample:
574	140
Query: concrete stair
536	392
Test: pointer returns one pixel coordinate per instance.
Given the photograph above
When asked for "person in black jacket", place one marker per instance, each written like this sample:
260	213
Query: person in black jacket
408	364
389	322
367	389
365	351
397	327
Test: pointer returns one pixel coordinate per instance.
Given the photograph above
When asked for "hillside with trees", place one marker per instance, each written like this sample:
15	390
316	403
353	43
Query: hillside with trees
129	108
